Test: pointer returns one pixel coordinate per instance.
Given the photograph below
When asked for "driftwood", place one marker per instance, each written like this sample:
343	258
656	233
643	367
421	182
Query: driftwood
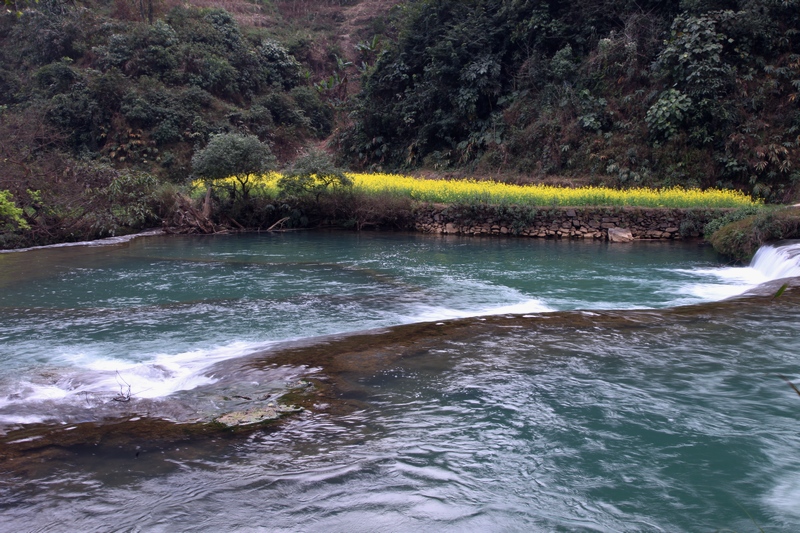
235	223
278	223
186	219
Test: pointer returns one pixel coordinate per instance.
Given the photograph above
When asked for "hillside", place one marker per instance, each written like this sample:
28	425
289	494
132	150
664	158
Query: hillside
701	93
104	102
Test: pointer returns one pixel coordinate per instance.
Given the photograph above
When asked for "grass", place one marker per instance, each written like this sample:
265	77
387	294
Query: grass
491	192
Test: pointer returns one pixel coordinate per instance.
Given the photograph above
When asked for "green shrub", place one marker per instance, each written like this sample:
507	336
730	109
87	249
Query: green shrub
211	72
50	32
694	54
741	239
224	34
56	78
320	114
563	65
232	155
138	111
256	120
131	201
194	99
278	66
733	216
668	114
284	110
167	131
313	174
10	85
107	88
160	110
11	216
79	115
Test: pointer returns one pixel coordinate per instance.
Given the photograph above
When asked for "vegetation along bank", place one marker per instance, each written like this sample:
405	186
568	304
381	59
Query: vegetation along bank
484	207
109	109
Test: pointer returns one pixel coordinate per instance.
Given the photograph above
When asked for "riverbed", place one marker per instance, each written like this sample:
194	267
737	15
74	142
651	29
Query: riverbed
447	383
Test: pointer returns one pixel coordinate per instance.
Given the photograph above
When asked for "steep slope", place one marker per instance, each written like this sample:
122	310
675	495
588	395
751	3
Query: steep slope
101	101
700	93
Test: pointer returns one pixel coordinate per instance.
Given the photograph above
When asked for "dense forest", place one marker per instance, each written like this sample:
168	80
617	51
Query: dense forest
698	93
104	103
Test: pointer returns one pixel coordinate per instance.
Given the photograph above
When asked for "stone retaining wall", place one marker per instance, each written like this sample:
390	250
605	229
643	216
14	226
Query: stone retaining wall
573	223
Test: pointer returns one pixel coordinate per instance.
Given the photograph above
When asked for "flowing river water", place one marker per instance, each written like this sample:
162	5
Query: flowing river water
449	384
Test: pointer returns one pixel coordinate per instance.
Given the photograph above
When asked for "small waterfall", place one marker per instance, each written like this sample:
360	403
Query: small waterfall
776	262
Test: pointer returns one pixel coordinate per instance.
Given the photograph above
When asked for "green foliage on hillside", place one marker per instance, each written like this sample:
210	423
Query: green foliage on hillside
139	93
103	105
88	99
10	214
696	93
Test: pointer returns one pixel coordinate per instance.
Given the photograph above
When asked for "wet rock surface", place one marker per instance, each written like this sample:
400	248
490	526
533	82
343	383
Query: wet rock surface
262	409
334	367
257	415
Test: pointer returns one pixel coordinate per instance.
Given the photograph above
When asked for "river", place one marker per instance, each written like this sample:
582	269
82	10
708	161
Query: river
448	383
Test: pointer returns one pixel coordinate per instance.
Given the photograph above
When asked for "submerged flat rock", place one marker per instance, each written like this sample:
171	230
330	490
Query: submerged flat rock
256	415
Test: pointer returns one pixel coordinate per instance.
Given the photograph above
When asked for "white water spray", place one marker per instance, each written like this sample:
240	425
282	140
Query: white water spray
777	262
769	263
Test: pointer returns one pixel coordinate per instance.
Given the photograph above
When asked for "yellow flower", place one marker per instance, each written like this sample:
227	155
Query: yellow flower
493	192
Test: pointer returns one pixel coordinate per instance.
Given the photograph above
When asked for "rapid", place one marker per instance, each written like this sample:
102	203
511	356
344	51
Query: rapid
464	384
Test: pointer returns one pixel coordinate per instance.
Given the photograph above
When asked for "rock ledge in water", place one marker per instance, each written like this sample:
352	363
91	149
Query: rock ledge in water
256	415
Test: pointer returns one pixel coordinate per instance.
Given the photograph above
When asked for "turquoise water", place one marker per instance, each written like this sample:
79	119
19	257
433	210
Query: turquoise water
572	385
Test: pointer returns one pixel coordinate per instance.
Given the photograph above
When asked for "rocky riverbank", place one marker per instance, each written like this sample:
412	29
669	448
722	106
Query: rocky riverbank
567	223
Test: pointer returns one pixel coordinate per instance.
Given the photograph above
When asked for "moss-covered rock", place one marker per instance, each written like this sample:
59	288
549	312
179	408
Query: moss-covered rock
742	238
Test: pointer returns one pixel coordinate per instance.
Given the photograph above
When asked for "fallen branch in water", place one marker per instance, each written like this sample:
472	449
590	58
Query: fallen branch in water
280	222
124	395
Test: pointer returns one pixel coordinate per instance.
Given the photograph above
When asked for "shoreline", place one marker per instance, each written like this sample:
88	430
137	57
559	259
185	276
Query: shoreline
105	241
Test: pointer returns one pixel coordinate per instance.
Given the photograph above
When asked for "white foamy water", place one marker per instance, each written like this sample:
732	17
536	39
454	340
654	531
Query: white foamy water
769	263
157	377
81	374
722	283
108	241
102	355
433	313
166	374
783	497
777	262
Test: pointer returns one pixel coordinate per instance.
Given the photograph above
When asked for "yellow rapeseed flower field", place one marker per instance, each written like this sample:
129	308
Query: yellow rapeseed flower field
492	192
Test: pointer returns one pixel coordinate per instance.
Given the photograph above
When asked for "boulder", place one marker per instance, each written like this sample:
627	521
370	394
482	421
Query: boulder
619	235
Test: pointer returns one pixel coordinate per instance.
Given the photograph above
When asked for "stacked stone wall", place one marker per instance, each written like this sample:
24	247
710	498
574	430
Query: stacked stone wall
566	223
